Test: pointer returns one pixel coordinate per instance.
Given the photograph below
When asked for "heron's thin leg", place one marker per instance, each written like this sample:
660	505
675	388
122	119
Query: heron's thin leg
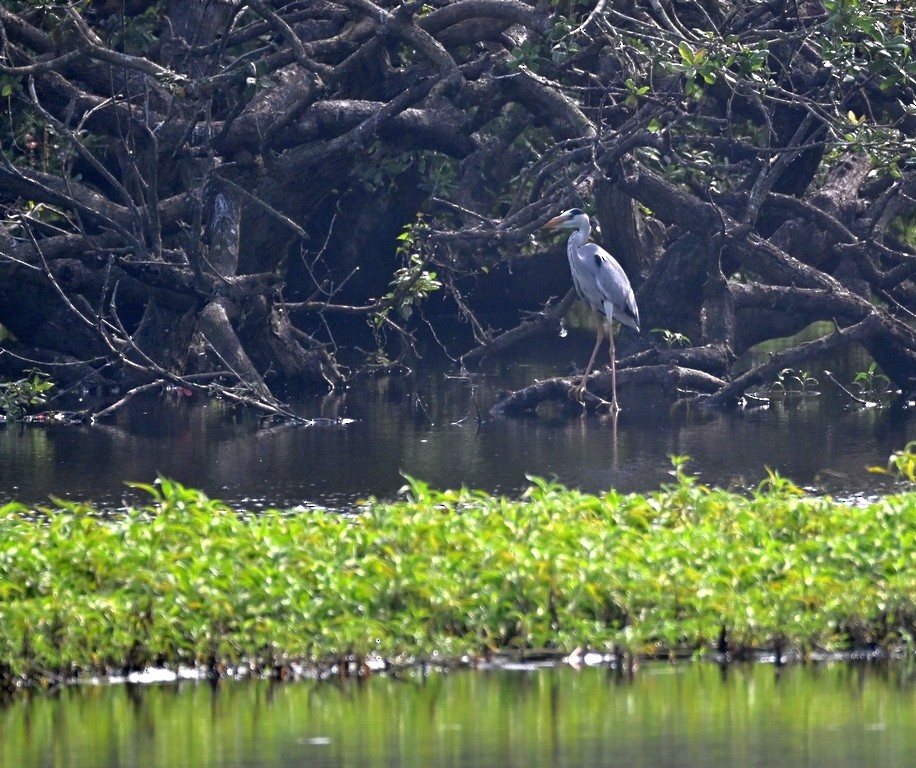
614	406
591	361
578	390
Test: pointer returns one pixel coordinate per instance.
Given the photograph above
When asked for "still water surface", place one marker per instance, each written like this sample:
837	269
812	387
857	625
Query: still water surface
430	429
668	716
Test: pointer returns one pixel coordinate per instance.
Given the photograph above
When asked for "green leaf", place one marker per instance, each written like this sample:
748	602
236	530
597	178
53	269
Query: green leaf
686	52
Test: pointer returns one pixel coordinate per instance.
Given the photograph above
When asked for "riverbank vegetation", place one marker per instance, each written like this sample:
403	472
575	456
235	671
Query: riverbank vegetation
450	576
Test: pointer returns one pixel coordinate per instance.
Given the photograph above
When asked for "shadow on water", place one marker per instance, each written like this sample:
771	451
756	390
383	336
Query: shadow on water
438	430
687	715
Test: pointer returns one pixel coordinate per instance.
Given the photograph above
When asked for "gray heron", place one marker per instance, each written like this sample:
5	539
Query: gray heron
602	284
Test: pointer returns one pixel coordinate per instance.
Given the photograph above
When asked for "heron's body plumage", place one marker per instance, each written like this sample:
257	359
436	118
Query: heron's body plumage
601	282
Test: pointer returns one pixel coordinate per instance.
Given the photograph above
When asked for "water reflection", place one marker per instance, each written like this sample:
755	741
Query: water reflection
430	429
685	715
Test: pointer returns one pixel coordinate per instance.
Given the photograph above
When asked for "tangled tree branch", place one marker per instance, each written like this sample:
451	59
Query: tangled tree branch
246	175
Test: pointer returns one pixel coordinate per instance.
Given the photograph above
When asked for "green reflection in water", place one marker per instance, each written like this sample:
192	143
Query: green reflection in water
689	715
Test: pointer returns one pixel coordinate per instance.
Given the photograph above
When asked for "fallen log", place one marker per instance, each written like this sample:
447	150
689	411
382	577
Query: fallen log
673	380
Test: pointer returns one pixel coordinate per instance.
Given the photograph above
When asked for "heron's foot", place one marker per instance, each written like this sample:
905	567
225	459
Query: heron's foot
594	402
606	406
577	392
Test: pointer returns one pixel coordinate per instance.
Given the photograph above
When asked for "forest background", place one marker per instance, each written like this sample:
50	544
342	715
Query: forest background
254	197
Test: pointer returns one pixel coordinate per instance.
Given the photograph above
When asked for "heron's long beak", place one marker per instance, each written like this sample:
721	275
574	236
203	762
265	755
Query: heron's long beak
554	222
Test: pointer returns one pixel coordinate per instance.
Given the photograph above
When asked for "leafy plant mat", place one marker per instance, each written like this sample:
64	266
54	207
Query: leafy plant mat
187	581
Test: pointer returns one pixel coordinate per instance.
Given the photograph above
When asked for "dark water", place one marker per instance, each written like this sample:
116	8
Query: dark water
429	429
686	716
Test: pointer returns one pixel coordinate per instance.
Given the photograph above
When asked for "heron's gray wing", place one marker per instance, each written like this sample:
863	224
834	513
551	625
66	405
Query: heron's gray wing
610	285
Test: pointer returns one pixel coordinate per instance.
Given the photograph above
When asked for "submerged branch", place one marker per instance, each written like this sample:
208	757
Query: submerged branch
790	358
672	380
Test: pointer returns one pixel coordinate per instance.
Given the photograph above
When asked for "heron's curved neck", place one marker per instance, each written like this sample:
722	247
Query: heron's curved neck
578	238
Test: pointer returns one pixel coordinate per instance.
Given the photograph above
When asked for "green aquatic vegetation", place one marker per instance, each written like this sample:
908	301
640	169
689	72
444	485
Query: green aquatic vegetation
186	580
901	464
872	383
793	382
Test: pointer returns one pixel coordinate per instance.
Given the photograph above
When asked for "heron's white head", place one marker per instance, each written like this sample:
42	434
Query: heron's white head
574	218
